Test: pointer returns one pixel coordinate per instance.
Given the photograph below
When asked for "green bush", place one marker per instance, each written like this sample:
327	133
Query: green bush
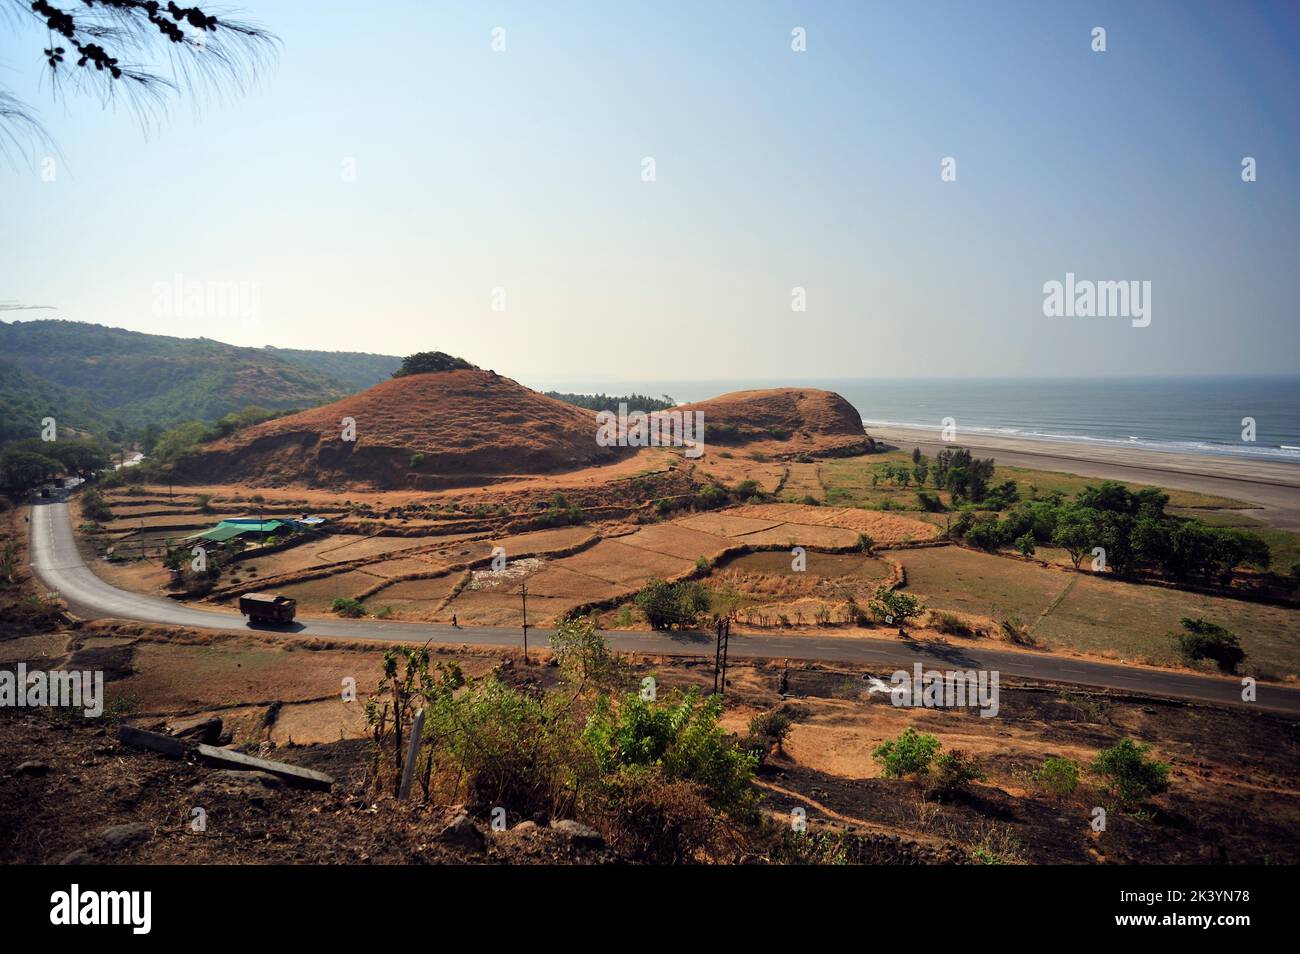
93	506
1057	776
680	735
352	609
1128	776
910	754
1025	544
560	513
954	771
930	503
1202	639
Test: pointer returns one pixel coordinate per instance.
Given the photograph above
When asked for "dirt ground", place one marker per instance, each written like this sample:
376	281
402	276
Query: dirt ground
1232	795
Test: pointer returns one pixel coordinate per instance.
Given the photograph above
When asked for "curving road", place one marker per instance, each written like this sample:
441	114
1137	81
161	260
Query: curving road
58	564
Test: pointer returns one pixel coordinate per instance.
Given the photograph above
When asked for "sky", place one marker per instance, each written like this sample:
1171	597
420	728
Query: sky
393	184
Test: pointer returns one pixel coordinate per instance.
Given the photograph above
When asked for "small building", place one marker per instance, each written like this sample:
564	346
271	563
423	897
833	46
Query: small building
239	527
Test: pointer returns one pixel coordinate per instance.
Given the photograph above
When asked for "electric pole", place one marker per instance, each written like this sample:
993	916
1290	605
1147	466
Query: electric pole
717	657
726	642
523	589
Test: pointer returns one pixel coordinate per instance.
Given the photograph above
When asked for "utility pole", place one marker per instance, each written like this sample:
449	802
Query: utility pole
726	642
523	589
717	657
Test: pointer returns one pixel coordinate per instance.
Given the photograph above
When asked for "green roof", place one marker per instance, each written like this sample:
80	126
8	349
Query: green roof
229	528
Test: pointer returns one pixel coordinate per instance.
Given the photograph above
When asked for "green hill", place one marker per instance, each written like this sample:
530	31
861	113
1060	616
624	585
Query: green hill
357	370
25	399
95	376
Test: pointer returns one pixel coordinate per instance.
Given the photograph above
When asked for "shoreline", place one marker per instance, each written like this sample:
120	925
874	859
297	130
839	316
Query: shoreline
1272	486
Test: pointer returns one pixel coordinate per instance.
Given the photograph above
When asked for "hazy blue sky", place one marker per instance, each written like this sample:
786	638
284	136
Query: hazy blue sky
522	170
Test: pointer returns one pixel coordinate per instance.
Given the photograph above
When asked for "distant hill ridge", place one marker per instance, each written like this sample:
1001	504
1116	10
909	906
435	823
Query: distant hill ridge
100	377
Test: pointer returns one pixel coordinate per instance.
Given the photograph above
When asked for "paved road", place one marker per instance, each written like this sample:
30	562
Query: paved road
59	566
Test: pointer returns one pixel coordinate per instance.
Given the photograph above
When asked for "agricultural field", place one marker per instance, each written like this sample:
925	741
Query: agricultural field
383	552
1094	615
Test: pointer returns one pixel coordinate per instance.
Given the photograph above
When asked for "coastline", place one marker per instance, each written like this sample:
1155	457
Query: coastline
1273	486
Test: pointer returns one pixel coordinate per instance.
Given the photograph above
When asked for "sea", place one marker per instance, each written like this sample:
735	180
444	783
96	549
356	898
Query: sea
1196	415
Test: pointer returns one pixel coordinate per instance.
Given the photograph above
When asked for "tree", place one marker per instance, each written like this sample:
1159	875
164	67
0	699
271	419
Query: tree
81	458
582	654
106	46
1076	532
21	469
920	466
1025	544
666	605
431	362
896	606
1202	639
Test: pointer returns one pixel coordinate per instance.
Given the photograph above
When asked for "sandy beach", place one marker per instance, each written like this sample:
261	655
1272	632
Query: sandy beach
1273	486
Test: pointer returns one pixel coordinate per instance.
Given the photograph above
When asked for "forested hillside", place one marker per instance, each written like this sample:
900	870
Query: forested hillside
100	378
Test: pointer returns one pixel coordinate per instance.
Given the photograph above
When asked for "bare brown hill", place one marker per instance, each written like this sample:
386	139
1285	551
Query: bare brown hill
793	420
422	430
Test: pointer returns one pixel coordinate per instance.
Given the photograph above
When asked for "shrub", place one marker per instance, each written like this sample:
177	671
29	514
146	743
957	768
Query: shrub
680	735
1025	544
1202	639
1017	632
767	731
1058	777
710	496
352	609
954	771
505	747
204	502
910	754
93	506
651	818
985	534
865	543
1128	776
951	624
702	565
560	513
929	502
